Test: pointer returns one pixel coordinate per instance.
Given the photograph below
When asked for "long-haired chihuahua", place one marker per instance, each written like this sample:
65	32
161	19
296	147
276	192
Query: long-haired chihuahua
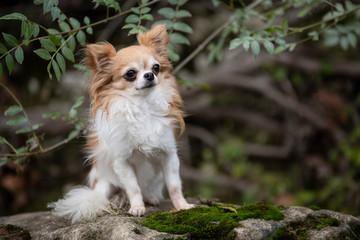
135	116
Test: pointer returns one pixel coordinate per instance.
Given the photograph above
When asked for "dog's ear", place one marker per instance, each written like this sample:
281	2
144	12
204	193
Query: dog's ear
98	56
155	38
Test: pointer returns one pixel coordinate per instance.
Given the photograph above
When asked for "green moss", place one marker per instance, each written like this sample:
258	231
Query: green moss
314	207
299	230
214	222
14	232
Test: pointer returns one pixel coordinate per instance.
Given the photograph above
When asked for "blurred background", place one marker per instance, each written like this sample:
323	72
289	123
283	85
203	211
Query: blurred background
282	129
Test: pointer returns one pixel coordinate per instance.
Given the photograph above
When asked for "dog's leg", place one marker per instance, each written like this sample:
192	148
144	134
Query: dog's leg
129	182
171	165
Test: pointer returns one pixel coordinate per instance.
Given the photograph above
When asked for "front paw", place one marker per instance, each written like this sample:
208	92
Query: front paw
186	206
137	211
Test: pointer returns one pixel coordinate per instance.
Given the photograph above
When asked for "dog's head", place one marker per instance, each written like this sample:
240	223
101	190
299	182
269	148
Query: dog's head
133	70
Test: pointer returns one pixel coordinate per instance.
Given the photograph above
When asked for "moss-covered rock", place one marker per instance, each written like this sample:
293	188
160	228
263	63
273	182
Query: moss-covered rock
214	222
217	221
300	230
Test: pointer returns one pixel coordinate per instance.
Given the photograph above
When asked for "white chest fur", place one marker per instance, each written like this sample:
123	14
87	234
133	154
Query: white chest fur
136	124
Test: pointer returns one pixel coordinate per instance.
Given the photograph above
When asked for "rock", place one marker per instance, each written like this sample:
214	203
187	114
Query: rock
44	225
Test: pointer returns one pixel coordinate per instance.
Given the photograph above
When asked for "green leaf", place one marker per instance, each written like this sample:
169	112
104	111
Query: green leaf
246	45
52	115
71	43
53	31
44	54
235	43
64	26
19	120
56	70
352	39
132	19
73	133
55	13
279	49
179	38
136	10
331	40
255	48
269	46
134	31
13	110
81	37
78	102
48	68
28	31
72	113
89	30
147	17
37	126
24	25
183	27
38	2
167	12
74	23
36	30
314	35
4	161
19	55
3	49
168	23
10	39
182	13
61	61
47	5
9	63
23	130
182	2
145	10
280	41
344	44
129	25
14	16
86	20
54	40
68	53
48	45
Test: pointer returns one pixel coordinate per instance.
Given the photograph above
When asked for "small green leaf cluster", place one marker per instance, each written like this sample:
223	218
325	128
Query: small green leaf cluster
273	36
56	44
343	35
139	14
33	146
109	4
20	120
176	28
28	30
73	116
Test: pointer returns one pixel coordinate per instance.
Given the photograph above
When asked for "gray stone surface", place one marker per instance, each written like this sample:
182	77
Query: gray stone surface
44	225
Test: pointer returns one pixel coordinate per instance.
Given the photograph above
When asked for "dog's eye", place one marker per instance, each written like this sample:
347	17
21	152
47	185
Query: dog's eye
156	68
130	75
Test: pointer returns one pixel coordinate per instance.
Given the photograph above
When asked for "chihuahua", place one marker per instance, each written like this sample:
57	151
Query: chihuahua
136	114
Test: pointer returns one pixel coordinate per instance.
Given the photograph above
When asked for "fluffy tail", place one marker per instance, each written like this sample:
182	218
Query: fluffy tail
80	202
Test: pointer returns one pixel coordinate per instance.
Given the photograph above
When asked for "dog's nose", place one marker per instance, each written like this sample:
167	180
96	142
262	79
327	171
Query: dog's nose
149	76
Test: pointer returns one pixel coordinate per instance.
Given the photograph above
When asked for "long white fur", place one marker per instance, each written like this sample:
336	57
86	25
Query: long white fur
137	152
